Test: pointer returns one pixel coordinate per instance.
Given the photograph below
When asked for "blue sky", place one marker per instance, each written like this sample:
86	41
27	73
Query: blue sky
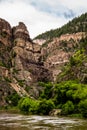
41	15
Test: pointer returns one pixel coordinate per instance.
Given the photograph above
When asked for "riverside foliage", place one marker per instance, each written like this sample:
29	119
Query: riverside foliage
69	96
30	106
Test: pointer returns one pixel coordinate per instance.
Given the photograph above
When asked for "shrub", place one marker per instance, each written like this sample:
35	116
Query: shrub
68	108
27	105
45	106
13	99
70	90
24	105
34	107
30	106
82	106
47	93
77	58
71	97
61	90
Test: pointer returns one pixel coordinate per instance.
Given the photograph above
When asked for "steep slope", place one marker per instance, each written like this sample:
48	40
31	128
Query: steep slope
5	62
53	56
60	44
76	68
27	57
20	64
78	24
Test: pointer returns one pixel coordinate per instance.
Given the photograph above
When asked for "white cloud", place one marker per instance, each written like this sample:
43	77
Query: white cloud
42	15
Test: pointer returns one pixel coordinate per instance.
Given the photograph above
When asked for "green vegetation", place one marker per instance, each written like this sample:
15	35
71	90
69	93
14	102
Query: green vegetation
76	65
45	106
13	99
82	106
78	58
68	96
31	106
68	108
78	24
47	93
27	105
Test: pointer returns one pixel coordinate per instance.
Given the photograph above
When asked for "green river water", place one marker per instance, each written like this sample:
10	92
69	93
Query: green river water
10	121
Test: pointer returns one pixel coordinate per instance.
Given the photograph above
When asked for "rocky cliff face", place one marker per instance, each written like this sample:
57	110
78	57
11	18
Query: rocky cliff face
27	59
57	51
5	32
21	66
24	63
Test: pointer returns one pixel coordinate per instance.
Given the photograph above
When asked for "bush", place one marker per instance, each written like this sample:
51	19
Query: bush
45	106
61	89
13	99
24	105
34	107
30	106
47	93
70	90
67	108
71	97
77	58
27	105
82	106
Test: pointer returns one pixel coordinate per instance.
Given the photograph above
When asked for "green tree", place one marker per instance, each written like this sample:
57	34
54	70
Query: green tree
13	99
24	105
82	106
28	105
48	90
45	106
68	108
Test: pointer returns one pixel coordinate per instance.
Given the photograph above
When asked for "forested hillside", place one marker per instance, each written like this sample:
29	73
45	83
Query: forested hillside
78	24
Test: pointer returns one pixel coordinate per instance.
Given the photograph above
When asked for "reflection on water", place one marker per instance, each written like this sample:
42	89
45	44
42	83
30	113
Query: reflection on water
21	122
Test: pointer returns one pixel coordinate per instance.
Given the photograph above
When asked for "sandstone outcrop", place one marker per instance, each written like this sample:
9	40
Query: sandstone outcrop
57	51
27	58
21	65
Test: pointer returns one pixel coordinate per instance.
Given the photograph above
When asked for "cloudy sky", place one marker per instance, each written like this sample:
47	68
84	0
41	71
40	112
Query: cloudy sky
41	15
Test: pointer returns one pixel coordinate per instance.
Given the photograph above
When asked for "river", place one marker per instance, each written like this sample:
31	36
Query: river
10	121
